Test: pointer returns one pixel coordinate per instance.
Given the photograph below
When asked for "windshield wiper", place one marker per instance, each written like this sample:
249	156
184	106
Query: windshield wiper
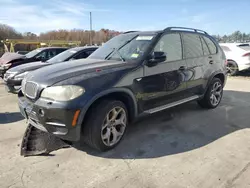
120	55
117	49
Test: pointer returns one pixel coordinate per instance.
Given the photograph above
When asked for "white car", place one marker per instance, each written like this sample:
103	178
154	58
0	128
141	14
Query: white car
238	56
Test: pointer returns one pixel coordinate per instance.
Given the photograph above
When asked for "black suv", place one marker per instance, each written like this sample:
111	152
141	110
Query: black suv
132	74
10	60
14	76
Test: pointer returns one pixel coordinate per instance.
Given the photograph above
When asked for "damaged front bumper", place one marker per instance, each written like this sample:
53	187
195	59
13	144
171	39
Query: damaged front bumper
54	118
49	126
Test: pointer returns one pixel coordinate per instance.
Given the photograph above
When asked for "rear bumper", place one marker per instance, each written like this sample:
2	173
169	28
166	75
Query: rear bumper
55	118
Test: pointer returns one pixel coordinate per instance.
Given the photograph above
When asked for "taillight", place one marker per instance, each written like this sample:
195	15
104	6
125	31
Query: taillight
247	54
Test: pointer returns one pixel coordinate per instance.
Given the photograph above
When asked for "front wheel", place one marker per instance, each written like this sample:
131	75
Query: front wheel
105	125
213	95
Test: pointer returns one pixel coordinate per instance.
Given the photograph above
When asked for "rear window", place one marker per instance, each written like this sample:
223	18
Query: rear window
245	47
225	48
212	47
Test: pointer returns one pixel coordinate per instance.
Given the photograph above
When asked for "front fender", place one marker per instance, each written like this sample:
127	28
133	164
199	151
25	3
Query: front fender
103	94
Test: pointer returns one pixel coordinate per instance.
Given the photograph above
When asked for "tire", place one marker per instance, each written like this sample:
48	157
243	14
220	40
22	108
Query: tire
100	127
232	67
208	100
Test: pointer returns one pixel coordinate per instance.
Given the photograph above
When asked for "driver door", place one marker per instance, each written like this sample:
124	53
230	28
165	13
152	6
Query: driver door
165	82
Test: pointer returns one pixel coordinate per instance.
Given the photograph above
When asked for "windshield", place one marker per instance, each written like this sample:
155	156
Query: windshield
127	47
33	53
62	56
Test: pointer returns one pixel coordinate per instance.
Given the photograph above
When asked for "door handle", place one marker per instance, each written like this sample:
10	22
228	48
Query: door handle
182	68
211	62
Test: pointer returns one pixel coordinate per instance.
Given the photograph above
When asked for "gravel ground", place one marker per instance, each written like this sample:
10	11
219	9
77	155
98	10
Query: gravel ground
183	147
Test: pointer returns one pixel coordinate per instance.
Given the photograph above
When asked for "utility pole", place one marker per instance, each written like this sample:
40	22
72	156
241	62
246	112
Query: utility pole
90	24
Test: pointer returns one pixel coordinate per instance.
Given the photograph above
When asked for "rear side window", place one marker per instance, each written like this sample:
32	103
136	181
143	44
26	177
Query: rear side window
171	45
58	51
225	48
192	46
51	53
204	47
212	47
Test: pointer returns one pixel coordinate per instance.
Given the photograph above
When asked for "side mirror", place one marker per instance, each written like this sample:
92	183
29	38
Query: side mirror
155	58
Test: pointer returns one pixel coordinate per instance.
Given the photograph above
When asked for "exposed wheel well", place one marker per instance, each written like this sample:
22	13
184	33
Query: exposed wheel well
221	77
121	96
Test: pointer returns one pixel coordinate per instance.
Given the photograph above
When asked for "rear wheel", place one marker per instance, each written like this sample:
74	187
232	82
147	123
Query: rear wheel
105	125
232	68
212	97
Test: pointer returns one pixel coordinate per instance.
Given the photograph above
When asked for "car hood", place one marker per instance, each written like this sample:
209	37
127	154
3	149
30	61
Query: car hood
7	57
28	67
50	75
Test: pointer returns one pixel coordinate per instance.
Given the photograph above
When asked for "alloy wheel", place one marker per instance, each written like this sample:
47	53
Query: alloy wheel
114	126
216	93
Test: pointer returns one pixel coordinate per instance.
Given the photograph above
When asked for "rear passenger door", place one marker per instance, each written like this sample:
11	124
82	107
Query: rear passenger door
196	59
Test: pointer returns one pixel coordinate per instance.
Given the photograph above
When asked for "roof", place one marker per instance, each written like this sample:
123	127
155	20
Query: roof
177	29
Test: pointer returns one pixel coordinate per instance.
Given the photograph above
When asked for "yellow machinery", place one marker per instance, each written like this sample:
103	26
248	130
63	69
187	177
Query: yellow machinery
39	43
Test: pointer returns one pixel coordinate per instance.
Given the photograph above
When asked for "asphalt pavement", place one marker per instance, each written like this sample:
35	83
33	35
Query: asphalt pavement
181	147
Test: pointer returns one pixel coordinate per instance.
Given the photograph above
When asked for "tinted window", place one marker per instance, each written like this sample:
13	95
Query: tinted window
225	48
51	53
33	53
244	47
204	47
63	56
192	45
58	51
212	47
81	55
42	55
171	45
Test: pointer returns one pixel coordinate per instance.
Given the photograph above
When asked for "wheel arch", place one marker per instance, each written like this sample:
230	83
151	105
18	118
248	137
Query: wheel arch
219	75
123	94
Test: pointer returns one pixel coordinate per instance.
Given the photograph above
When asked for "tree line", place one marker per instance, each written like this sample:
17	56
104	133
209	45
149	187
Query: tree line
236	36
98	37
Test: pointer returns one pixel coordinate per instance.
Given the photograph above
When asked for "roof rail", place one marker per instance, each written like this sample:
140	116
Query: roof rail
129	32
185	28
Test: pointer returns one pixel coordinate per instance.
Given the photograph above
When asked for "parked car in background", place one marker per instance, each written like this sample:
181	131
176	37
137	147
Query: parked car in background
238	57
133	74
14	76
10	60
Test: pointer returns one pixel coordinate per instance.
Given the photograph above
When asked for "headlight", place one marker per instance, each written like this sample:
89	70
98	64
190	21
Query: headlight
62	93
20	76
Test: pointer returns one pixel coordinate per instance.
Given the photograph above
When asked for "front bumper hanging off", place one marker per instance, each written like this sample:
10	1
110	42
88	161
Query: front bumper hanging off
37	142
